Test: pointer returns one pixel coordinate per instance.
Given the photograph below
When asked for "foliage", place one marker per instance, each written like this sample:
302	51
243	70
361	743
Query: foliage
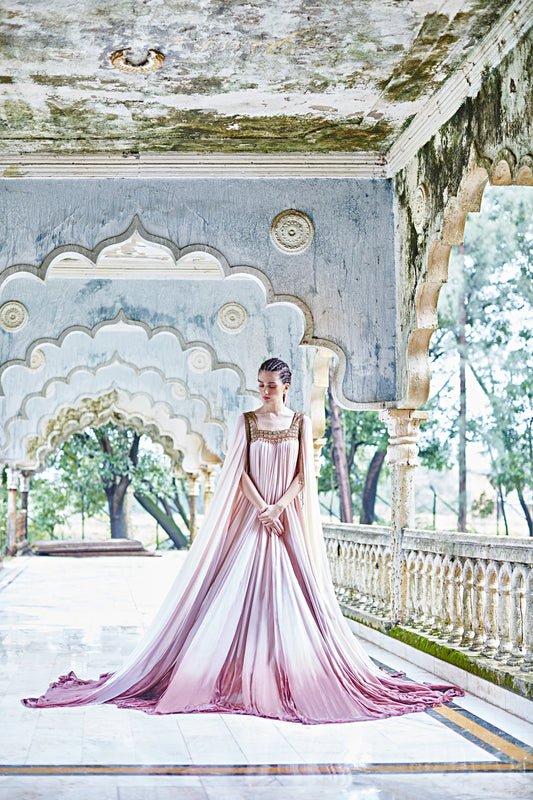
496	277
101	463
47	507
364	434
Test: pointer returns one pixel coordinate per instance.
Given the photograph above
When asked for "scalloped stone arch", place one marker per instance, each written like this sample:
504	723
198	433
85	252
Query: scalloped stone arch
106	378
504	170
172	432
235	270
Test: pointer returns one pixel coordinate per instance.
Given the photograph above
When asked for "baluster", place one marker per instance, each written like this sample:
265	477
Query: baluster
478	607
381	582
366	577
436	596
387	583
418	614
410	598
427	593
457	589
342	571
516	623
491	610
371	605
447	589
468	581
527	666
504	613
357	574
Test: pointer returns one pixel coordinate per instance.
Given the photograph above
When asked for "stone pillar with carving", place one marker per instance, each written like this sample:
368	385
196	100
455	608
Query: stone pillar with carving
12	489
402	457
193	491
22	517
209	486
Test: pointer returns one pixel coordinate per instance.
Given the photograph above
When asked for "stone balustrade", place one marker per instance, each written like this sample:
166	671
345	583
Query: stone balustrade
470	592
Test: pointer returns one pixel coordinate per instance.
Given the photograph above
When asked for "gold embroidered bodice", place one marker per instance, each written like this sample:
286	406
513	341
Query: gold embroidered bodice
253	432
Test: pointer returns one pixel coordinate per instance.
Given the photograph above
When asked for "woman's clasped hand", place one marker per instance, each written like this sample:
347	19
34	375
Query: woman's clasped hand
269	517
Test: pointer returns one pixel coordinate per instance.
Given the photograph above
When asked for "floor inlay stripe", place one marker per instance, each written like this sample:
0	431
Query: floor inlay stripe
512	749
259	769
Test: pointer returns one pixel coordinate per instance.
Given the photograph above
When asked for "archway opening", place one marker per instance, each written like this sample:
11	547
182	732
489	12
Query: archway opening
481	413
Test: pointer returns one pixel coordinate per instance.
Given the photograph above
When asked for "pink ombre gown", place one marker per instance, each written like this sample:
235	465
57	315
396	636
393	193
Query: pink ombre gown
252	625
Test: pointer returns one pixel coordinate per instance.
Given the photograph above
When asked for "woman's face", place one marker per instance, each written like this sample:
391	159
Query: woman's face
270	387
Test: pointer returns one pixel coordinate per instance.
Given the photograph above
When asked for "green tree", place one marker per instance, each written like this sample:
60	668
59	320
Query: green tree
96	468
47	507
78	467
492	282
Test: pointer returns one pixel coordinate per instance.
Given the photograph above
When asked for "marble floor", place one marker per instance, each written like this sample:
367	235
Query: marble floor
58	614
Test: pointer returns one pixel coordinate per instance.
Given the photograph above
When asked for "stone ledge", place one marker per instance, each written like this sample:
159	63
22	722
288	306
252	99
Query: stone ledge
81	547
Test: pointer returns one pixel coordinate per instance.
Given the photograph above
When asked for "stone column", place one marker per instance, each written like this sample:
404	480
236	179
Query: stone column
318	398
12	488
402	457
193	483
24	488
209	486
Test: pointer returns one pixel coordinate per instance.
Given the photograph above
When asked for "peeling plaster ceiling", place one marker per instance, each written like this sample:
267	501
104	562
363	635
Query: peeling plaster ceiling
284	75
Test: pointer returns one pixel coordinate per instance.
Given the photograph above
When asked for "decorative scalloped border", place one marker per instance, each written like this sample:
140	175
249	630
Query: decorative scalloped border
42	445
504	170
308	337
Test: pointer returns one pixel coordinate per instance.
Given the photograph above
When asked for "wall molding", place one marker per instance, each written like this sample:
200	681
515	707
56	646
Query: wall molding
195	165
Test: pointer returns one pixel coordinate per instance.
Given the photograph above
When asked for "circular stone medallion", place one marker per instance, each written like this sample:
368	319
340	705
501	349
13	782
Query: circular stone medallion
13	316
292	231
420	207
232	317
179	390
37	360
199	360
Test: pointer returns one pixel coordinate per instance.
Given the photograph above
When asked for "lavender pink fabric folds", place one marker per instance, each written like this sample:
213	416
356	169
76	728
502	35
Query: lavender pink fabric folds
251	624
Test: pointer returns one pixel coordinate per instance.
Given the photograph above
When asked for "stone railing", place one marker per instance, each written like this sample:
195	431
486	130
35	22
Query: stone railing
469	592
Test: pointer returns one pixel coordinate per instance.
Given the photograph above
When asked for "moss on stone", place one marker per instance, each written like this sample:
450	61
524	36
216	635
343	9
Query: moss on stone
507	677
77	127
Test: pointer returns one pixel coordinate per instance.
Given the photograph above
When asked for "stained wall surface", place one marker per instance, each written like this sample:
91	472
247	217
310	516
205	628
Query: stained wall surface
344	282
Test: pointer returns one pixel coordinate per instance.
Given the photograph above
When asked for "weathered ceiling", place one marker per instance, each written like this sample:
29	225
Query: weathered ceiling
283	75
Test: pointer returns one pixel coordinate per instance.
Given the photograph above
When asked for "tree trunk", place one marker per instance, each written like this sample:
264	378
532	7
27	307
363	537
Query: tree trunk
164	519
116	492
502	508
115	500
461	517
339	456
371	486
525	509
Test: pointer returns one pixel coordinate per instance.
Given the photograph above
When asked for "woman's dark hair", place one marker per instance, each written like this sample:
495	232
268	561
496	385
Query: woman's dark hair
280	367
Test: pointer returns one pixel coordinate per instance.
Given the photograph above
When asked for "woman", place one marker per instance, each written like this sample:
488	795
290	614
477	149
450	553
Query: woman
252	625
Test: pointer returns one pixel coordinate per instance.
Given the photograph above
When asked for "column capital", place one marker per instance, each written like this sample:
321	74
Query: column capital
12	478
403	425
193	483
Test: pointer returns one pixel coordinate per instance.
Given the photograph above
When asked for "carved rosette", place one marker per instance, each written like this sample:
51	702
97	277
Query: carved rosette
420	209
292	231
199	360
179	390
38	360
232	317
13	316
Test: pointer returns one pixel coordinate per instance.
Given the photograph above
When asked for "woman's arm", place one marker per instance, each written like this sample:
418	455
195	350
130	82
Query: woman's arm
273	512
249	490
